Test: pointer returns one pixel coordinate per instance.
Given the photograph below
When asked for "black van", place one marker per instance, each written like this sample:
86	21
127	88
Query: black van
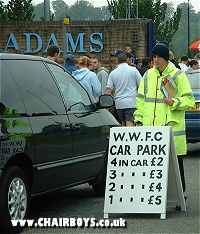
51	135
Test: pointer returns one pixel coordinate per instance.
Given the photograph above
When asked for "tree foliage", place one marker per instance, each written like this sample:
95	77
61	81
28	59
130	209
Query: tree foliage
39	12
80	10
84	10
20	10
166	30
165	25
117	8
179	43
60	8
3	11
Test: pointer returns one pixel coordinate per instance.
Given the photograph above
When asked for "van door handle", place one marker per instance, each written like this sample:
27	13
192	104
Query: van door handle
75	126
65	126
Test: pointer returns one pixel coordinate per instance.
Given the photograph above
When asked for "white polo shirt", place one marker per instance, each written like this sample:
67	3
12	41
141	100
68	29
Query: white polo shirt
183	67
124	80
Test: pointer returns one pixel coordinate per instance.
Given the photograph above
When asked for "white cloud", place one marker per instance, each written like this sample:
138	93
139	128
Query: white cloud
97	3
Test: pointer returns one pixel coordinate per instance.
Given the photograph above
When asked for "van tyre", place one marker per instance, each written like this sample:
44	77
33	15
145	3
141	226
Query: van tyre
14	199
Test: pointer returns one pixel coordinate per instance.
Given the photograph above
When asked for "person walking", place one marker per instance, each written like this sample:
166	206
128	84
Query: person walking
156	109
197	57
53	53
134	59
101	72
87	78
171	59
184	63
193	65
70	63
146	65
124	80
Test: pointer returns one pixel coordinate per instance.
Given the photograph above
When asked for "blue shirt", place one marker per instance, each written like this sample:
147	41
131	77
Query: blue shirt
89	81
70	67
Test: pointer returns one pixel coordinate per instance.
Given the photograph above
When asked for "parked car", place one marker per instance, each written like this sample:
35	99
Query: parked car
193	115
51	135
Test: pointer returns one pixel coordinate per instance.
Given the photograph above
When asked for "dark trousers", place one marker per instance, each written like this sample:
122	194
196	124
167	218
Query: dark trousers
181	169
115	114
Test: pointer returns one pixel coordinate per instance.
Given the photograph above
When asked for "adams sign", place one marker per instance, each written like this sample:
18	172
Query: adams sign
72	44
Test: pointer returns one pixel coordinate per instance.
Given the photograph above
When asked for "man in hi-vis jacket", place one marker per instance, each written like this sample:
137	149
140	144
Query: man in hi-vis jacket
158	107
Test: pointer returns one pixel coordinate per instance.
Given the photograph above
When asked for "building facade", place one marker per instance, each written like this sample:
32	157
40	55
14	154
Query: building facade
80	37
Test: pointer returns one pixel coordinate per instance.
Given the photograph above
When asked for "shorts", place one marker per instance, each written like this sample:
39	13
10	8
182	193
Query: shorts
126	114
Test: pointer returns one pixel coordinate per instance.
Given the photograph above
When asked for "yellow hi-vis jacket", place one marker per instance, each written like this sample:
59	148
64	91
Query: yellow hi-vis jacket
152	110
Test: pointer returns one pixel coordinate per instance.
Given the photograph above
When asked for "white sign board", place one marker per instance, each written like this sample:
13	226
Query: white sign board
137	173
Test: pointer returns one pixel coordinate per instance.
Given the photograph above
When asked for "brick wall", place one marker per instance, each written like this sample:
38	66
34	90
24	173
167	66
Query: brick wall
116	34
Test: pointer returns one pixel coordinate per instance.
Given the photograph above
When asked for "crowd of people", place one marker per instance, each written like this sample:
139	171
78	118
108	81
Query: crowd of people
98	80
123	81
138	91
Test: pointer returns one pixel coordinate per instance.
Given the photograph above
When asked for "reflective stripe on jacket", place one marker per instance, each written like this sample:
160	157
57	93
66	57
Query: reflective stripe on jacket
152	110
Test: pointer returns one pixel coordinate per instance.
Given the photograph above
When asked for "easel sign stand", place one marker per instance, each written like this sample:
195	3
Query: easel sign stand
142	172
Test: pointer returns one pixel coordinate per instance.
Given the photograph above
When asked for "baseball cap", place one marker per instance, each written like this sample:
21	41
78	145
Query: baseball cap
117	52
70	58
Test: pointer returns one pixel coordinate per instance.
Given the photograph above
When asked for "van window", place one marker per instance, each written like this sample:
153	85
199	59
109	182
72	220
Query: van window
38	89
75	96
10	97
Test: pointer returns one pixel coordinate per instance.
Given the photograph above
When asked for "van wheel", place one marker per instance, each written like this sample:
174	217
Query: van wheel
99	185
14	199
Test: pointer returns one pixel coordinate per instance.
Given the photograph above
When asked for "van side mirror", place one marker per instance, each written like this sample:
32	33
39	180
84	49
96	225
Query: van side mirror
105	101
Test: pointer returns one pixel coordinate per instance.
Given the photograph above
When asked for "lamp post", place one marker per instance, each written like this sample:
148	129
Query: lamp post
131	5
188	28
66	23
128	9
46	10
